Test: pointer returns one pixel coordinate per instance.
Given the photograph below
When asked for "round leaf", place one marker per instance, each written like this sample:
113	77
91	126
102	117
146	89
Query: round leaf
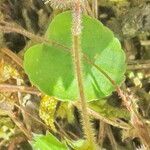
51	68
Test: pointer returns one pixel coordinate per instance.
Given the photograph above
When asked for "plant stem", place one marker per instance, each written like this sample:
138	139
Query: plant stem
116	123
7	27
111	137
95	8
13	56
20	125
76	48
88	8
17	88
102	133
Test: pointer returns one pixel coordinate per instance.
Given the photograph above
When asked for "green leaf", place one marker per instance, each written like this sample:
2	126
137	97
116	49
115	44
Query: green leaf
83	145
110	112
47	142
51	69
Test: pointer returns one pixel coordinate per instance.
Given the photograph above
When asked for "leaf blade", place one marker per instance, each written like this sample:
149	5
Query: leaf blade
53	72
47	142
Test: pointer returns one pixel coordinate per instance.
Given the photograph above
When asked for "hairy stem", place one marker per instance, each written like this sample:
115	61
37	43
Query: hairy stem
76	48
86	124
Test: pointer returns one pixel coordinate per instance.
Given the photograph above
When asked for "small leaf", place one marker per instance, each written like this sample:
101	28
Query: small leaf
51	68
48	142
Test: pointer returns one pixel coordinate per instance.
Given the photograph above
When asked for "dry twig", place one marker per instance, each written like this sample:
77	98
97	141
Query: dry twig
15	88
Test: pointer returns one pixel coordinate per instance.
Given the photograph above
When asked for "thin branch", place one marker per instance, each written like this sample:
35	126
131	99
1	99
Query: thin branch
30	115
20	125
145	43
118	123
5	28
141	61
88	8
138	66
13	56
95	8
102	133
16	88
111	137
